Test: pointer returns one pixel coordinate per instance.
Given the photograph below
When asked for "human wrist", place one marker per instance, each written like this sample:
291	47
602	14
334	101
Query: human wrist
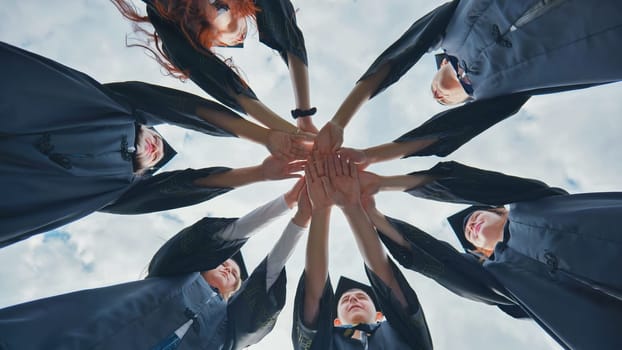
320	211
301	219
352	208
338	121
289	198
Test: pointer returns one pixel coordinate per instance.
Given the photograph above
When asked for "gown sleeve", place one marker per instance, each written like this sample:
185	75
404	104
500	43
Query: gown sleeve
409	322
457	183
167	190
195	248
455	127
203	67
154	104
409	48
460	273
276	21
253	310
318	337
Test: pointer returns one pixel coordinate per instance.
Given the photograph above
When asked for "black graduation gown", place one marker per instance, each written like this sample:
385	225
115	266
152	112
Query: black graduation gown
403	329
456	126
140	314
555	259
65	146
276	23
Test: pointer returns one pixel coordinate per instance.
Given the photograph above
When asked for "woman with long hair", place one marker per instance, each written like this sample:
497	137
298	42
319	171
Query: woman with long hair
187	30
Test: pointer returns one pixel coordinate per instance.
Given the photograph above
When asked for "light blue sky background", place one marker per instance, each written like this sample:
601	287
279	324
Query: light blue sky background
569	140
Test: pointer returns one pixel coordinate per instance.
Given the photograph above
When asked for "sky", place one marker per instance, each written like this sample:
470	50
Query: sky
569	140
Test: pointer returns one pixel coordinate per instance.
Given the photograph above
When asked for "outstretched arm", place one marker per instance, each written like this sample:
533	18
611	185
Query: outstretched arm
271	169
372	183
394	62
284	247
386	151
299	76
316	263
280	143
381	223
264	115
344	188
330	137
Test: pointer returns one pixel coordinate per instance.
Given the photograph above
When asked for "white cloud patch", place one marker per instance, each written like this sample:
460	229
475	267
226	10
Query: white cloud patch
569	140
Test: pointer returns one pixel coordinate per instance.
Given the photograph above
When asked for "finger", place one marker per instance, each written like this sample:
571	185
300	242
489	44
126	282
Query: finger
299	185
328	186
295	168
336	165
293	176
320	163
354	171
311	171
343	163
331	168
298	161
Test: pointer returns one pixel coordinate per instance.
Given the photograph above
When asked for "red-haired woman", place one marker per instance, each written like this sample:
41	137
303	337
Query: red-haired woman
187	30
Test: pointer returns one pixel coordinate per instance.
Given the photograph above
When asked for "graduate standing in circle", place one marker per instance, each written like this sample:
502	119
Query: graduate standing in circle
187	30
70	146
495	57
348	318
197	294
549	257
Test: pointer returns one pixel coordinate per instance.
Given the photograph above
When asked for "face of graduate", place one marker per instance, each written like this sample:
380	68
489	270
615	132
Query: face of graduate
484	228
225	277
355	307
446	88
230	30
149	148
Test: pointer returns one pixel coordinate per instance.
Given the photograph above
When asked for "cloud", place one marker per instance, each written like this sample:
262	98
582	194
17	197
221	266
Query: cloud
569	140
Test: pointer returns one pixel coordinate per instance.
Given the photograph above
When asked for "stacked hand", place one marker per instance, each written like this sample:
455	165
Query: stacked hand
306	124
329	139
274	168
342	183
290	146
292	196
315	171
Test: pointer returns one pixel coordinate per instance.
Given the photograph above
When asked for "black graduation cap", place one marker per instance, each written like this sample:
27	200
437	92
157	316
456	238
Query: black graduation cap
438	58
237	257
345	284
458	222
169	153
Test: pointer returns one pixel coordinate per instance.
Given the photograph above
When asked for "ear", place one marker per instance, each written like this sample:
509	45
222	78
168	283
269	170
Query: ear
379	316
336	322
